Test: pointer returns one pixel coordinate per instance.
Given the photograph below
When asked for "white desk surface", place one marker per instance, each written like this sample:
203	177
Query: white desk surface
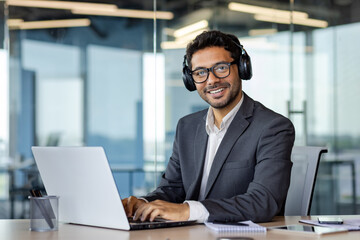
19	230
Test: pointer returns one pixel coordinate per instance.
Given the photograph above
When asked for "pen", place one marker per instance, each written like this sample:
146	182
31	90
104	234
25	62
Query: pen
37	193
230	223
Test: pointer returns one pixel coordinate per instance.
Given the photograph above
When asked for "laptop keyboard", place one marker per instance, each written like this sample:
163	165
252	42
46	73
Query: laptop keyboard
156	220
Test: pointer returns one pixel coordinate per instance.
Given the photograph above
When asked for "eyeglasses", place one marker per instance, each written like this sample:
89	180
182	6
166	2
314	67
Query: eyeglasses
220	70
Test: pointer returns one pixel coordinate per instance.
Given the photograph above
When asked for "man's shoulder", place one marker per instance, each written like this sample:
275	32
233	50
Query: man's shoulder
191	121
194	116
263	114
263	110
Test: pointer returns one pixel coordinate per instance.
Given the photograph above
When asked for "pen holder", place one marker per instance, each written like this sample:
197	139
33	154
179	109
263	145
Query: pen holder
44	214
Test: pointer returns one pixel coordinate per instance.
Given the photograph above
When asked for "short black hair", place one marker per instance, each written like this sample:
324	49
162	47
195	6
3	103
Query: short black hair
214	38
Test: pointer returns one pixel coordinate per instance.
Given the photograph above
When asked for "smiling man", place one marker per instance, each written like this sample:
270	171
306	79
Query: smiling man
230	162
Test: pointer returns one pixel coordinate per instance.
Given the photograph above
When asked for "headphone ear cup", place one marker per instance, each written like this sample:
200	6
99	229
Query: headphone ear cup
187	79
245	69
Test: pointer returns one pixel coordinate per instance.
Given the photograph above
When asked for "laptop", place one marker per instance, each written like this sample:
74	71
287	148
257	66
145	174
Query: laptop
82	178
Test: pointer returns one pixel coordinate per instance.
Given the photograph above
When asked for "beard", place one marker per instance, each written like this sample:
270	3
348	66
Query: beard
226	100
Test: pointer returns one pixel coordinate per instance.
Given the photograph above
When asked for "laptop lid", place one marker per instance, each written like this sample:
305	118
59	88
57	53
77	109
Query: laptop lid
82	178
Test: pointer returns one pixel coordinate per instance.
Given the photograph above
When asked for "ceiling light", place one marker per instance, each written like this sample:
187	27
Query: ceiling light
172	45
51	24
66	5
191	28
278	16
14	21
265	31
305	22
265	11
191	36
85	8
127	13
181	42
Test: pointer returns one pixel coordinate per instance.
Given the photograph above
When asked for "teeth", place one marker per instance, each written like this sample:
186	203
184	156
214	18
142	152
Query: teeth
217	91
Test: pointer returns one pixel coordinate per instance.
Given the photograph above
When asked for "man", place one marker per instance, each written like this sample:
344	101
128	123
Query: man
230	162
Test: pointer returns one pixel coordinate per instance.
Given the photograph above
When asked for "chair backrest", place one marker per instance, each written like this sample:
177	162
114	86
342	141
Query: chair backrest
303	174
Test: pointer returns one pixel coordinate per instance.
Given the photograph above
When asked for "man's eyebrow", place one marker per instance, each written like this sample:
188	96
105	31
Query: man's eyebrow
200	67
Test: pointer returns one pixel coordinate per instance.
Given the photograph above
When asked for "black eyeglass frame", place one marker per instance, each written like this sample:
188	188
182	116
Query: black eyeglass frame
212	70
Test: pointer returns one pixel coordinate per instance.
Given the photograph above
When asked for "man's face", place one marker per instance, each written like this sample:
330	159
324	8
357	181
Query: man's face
219	93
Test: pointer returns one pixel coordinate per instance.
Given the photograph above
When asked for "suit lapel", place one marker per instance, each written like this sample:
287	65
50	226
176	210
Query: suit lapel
235	130
200	144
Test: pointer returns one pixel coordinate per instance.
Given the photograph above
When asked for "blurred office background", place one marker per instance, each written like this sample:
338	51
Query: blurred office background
108	73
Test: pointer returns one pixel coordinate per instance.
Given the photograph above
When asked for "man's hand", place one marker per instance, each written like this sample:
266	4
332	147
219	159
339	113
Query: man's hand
131	204
163	209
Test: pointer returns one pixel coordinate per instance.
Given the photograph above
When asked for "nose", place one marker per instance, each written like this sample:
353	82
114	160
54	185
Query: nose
212	79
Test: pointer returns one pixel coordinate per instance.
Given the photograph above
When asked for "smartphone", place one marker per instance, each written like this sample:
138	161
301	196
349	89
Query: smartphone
330	220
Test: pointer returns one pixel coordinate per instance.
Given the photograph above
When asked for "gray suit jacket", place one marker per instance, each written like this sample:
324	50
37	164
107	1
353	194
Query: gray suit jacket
250	174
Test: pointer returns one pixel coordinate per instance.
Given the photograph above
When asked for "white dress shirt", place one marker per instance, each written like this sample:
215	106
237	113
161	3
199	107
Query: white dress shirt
197	210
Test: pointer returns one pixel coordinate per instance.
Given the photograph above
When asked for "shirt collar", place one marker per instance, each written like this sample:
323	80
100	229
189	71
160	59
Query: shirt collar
210	123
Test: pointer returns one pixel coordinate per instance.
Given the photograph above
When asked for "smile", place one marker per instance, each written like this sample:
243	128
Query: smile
217	91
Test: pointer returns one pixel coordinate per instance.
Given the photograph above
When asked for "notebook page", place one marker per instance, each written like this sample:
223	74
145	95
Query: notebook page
252	227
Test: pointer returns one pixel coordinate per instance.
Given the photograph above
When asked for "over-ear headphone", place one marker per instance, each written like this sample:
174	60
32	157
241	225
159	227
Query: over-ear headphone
244	65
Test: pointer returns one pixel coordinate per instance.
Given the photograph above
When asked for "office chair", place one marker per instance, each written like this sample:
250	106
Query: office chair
303	175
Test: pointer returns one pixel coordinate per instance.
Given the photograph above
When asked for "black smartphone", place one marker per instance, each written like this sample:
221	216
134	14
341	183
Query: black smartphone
330	220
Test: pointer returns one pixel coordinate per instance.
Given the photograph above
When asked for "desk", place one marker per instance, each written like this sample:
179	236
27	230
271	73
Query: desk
18	229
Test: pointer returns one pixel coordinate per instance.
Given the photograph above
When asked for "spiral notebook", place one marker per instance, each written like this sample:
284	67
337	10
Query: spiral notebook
252	227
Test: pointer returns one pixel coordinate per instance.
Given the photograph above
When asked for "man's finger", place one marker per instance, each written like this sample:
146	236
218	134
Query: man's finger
129	205
139	211
146	212
154	214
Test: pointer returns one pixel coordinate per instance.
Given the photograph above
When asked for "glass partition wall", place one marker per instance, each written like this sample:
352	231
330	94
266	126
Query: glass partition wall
110	75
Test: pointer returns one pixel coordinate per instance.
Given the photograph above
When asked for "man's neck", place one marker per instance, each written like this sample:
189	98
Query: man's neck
220	113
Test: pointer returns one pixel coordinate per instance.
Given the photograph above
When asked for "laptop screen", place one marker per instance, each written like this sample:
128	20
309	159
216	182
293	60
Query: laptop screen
82	178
